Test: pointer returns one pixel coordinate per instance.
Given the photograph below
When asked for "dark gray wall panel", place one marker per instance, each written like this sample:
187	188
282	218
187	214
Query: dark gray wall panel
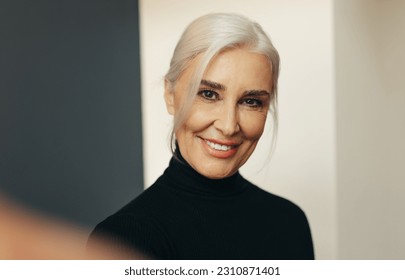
70	115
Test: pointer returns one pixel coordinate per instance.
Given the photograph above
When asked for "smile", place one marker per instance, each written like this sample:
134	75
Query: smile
218	147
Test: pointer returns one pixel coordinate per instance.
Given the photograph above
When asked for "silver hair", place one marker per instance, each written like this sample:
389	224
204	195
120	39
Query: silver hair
209	35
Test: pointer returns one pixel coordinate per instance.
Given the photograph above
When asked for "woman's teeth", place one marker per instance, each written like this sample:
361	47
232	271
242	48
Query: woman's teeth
218	146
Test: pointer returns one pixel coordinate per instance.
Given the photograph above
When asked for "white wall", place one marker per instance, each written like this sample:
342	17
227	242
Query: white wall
370	102
303	167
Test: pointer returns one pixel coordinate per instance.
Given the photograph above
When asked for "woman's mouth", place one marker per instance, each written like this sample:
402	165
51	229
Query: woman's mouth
220	149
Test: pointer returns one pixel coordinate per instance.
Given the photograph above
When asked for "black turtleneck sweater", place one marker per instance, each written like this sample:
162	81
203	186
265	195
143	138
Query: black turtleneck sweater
185	215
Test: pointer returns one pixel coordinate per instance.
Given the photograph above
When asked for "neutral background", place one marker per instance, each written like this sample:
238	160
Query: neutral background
342	120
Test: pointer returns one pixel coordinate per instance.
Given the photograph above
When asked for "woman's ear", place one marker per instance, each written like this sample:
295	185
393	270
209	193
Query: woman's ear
169	97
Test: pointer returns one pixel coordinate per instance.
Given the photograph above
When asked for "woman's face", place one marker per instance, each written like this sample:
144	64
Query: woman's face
228	115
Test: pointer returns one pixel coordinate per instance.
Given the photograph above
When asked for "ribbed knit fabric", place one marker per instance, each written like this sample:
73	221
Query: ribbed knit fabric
185	215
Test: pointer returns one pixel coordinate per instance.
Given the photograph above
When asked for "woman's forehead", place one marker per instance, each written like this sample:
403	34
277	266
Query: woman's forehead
239	66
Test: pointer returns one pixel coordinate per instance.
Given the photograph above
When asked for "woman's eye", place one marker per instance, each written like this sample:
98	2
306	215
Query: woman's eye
252	102
208	94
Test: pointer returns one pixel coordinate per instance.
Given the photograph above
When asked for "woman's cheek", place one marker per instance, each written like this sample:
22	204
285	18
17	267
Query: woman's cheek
252	124
197	121
202	115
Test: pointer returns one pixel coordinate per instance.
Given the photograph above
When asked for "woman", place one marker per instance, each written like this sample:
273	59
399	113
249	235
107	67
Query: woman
221	83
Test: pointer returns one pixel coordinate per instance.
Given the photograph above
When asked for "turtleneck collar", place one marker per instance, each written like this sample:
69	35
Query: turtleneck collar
182	177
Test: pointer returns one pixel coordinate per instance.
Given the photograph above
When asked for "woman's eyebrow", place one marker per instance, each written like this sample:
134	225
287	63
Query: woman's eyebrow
256	93
219	86
213	85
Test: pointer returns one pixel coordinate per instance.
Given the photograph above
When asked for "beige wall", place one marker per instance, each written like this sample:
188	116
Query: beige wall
303	167
370	102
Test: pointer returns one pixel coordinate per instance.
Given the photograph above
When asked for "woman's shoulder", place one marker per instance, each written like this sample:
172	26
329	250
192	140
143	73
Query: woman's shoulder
142	209
138	224
290	219
136	227
273	201
133	233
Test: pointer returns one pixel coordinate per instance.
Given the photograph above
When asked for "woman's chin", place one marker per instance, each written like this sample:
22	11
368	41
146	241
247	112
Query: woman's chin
215	172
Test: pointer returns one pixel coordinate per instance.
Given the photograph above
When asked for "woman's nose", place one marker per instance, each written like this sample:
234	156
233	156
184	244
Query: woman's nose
227	120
